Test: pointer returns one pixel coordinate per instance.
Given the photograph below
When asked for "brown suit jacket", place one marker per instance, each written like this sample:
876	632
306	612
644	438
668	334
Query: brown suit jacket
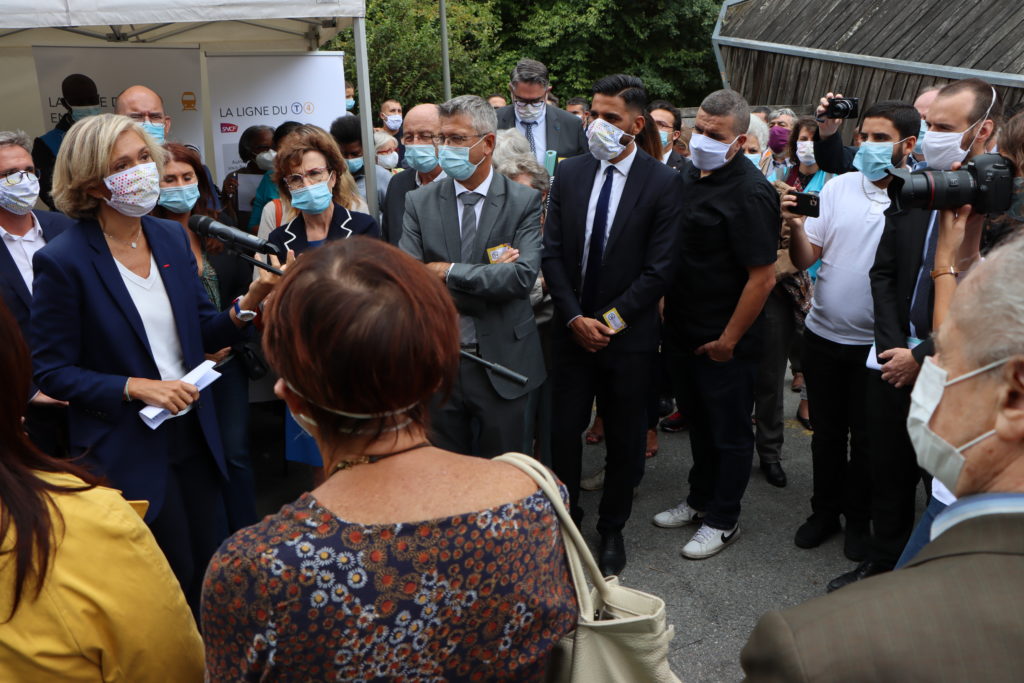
955	613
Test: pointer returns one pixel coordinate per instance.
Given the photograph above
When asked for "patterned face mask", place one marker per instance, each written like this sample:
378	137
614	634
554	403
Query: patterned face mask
134	191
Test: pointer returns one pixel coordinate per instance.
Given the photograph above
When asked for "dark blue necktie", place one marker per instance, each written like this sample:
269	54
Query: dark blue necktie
598	233
921	304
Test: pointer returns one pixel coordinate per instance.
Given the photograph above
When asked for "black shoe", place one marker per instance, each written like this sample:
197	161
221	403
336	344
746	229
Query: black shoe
858	536
665	406
774	473
611	556
676	422
816	530
863	571
805	422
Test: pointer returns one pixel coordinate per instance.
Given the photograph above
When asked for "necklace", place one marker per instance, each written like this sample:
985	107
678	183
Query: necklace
376	457
864	189
133	243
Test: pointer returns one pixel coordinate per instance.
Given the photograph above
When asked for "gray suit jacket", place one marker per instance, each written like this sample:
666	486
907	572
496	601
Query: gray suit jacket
496	295
954	613
564	131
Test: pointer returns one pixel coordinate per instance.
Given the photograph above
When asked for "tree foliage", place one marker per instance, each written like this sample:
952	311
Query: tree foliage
667	44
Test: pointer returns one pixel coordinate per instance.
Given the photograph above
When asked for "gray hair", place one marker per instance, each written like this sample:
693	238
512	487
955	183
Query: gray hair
509	143
524	164
381	139
16	137
729	103
784	111
989	306
480	113
758	129
530	71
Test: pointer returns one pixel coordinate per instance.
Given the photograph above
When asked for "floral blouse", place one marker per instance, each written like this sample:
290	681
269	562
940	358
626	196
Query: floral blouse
306	596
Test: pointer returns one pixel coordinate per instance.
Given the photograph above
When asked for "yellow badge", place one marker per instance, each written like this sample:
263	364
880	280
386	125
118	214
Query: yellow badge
613	320
495	253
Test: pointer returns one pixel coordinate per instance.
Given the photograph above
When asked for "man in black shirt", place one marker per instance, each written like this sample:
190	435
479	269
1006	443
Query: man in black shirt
728	243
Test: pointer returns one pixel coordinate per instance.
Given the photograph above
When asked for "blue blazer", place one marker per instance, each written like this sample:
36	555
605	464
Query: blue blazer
88	338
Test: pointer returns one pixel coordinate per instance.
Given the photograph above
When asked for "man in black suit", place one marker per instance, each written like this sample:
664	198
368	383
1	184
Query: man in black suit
545	127
421	126
609	246
670	126
24	232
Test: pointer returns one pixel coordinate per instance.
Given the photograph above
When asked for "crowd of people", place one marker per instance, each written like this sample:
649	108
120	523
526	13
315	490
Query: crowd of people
533	279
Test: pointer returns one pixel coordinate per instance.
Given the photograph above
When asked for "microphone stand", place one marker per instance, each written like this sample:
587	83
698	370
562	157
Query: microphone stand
236	251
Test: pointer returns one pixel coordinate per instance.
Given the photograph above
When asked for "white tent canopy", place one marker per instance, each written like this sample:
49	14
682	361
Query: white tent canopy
211	25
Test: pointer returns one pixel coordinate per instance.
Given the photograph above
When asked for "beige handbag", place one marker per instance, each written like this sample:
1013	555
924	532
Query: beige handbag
623	634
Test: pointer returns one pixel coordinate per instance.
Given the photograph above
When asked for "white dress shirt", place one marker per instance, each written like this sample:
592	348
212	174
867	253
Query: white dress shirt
23	248
419	182
540	134
618	184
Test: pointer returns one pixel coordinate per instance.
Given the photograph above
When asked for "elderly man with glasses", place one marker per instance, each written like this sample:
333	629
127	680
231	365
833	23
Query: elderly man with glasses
422	126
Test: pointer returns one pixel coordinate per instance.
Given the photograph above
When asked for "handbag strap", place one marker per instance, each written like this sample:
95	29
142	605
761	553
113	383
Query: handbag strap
581	562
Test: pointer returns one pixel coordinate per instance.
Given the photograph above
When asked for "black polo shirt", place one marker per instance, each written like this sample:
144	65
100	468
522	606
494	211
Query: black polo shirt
731	221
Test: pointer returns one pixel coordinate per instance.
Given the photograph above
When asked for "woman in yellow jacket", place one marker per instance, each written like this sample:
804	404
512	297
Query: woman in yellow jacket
85	593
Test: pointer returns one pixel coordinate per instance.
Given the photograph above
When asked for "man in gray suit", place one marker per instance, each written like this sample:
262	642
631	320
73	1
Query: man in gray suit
480	234
545	127
954	612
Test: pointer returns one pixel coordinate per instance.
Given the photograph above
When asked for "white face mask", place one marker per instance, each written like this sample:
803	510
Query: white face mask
393	121
942	150
708	154
134	191
388	161
265	160
805	152
935	455
20	197
605	140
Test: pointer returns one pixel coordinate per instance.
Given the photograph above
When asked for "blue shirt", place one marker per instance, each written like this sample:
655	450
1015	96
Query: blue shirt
977	506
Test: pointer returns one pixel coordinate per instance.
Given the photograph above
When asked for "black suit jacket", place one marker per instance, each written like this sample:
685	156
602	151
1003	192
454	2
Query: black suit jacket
564	131
640	253
893	278
832	156
677	161
394	205
12	287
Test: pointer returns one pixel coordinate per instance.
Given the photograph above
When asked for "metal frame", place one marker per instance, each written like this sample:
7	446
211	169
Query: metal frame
365	114
869	61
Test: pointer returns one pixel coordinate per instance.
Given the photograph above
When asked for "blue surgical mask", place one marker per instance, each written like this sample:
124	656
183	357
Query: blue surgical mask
354	165
312	199
455	161
422	158
156	131
873	158
664	137
755	159
179	199
79	113
349	103
918	146
1016	210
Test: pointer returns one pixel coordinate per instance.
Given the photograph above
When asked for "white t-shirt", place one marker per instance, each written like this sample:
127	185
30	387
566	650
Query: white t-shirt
848	231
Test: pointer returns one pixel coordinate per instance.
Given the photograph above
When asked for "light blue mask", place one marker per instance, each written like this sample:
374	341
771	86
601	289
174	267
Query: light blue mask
354	165
1016	210
349	103
664	137
313	199
179	199
918	149
156	131
455	161
873	158
755	159
79	113
422	158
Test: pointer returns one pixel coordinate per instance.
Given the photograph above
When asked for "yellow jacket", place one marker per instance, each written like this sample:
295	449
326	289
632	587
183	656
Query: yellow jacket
110	608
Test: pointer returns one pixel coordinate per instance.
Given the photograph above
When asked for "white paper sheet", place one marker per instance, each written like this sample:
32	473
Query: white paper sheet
202	376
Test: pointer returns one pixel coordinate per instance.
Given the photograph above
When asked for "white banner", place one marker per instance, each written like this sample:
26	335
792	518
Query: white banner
269	89
173	73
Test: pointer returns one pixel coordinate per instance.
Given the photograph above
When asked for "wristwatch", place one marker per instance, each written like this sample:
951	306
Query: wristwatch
244	316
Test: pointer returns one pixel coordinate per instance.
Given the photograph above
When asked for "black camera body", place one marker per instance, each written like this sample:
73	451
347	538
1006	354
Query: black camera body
842	108
986	183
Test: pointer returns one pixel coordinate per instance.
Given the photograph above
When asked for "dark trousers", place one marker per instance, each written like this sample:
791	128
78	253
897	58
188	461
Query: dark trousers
231	400
47	427
836	380
475	420
620	381
893	469
719	398
778	332
191	524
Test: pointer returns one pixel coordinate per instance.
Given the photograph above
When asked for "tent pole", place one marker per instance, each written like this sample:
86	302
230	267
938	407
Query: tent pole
365	113
446	73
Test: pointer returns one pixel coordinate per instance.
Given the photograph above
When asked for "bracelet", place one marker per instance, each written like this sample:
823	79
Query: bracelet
945	270
127	396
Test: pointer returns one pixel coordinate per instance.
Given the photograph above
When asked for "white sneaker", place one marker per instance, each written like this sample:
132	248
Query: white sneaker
594	482
708	541
680	515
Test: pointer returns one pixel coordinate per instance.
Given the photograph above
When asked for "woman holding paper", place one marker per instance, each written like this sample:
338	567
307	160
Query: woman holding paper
119	316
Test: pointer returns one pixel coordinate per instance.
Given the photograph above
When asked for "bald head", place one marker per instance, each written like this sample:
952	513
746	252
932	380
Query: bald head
143	105
423	117
924	101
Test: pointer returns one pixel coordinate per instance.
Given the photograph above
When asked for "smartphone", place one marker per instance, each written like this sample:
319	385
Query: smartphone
806	204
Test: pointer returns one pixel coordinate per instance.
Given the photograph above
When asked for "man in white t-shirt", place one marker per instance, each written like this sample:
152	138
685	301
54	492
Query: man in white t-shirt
840	326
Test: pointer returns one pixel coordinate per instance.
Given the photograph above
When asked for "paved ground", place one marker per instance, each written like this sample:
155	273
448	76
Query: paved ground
713	603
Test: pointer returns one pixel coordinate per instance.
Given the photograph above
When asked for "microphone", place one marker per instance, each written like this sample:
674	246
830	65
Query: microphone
204	226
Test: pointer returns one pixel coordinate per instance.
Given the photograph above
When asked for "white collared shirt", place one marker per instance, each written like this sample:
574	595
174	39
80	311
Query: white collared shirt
540	133
666	155
481	189
24	247
419	182
618	184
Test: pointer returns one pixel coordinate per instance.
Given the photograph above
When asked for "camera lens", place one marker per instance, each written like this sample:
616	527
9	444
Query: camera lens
841	109
951	188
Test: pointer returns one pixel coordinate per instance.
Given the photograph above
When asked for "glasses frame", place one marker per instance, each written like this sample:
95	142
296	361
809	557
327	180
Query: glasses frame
21	174
297	181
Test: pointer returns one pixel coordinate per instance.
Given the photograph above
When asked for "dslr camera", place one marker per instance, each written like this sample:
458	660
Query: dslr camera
842	108
986	183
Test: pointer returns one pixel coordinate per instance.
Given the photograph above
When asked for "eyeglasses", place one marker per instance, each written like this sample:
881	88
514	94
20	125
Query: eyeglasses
15	177
523	100
153	116
418	138
455	140
664	126
296	181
